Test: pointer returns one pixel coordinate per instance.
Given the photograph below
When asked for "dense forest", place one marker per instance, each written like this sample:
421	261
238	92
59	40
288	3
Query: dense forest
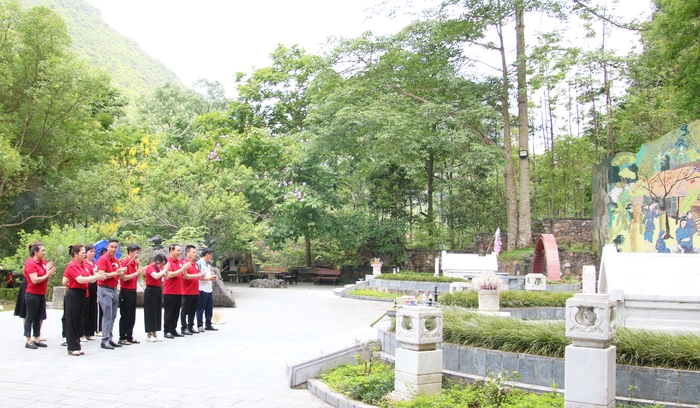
380	144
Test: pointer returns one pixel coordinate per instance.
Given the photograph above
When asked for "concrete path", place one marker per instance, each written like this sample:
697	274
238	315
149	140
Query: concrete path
244	364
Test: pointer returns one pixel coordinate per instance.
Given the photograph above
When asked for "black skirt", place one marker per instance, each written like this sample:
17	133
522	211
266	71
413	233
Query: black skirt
21	306
153	308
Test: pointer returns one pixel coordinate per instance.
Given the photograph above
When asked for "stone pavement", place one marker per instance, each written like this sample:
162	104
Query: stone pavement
244	364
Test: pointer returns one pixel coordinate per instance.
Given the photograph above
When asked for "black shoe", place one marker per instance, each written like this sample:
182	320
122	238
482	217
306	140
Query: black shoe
186	332
168	336
192	330
113	344
39	344
30	346
212	328
176	334
107	346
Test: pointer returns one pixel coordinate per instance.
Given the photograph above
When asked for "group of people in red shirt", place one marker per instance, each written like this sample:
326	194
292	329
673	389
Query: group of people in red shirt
177	279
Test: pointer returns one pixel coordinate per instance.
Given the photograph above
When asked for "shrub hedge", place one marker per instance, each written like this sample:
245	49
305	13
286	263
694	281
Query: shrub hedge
509	298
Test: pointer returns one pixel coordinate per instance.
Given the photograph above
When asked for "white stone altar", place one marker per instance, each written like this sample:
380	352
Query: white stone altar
468	265
418	362
653	291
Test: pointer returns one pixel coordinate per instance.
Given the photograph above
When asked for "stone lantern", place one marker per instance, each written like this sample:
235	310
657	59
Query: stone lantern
418	362
590	359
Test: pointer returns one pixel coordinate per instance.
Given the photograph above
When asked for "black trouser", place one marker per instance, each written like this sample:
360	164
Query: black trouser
189	308
171	311
127	313
152	305
36	312
74	305
90	323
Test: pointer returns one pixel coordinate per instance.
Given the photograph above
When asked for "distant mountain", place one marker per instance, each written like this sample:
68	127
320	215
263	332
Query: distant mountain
132	69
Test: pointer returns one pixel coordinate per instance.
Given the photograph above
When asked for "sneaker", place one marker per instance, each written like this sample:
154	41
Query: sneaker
83	339
212	328
125	342
186	332
90	338
64	343
98	334
151	338
42	337
201	329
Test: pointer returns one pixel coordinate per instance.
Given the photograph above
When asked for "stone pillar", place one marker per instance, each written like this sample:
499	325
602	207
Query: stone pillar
535	281
418	362
588	279
437	266
590	359
376	269
58	294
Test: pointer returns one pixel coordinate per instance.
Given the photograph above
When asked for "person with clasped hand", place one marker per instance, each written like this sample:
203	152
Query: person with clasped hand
172	291
77	278
37	273
107	294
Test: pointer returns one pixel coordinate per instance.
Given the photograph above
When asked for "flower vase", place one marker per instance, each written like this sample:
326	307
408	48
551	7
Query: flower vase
489	300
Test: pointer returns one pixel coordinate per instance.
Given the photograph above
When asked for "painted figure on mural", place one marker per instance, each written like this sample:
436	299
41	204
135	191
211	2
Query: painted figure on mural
661	244
650	216
684	237
691	222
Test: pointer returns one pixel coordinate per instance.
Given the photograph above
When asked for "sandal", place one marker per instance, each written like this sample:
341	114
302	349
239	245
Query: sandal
74	353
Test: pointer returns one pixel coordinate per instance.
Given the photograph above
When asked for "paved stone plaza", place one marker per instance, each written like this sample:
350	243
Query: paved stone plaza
244	364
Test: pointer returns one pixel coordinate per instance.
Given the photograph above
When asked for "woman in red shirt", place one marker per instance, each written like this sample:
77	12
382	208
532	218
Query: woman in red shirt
75	302
90	323
36	272
153	296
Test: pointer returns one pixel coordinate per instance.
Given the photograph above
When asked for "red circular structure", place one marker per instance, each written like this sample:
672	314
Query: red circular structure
546	249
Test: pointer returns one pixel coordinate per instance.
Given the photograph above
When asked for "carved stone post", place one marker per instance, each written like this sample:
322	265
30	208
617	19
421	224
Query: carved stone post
590	360
418	362
535	281
588	279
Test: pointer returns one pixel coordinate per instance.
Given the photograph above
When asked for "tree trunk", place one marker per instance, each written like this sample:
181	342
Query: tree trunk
524	225
307	245
508	169
429	164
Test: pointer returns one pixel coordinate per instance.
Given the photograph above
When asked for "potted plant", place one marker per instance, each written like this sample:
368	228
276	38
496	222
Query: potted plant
488	285
376	264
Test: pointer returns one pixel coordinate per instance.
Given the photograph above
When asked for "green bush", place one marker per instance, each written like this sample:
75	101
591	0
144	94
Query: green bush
634	346
9	294
352	381
509	298
418	277
516	254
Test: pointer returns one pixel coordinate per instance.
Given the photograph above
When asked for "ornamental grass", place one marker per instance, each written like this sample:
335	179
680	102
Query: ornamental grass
509	298
418	277
635	347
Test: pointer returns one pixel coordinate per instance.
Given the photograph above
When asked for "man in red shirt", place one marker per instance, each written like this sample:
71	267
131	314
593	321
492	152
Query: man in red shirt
190	292
107	295
172	291
127	295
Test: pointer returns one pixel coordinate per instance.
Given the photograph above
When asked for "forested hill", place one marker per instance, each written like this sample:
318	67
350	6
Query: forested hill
132	69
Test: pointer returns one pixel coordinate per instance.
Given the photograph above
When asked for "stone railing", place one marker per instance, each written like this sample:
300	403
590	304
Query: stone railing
636	384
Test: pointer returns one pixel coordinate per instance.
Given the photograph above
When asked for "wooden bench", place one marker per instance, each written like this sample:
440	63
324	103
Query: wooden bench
327	274
272	272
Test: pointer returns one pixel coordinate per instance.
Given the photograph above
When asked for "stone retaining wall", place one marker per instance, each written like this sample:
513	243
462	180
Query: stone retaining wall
638	384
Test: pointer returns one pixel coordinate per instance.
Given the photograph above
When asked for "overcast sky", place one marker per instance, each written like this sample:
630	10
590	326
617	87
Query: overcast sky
214	39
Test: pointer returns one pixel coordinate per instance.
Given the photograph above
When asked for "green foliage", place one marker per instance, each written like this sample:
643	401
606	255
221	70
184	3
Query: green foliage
634	346
516	254
509	298
418	277
9	294
353	382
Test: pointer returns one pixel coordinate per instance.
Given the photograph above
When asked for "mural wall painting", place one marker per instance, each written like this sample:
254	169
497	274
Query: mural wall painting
648	201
